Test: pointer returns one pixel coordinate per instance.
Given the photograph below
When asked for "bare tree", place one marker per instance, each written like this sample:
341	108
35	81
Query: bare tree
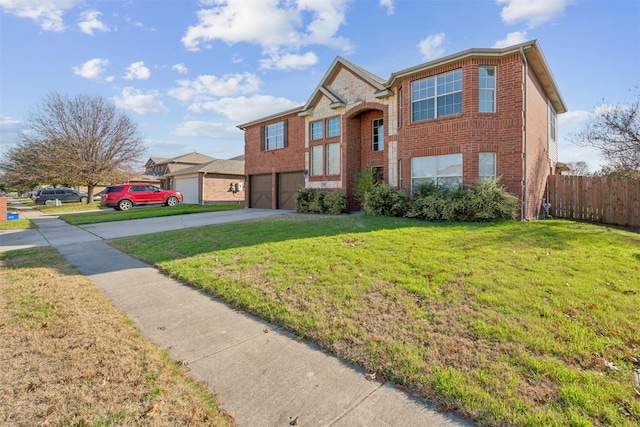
578	168
615	131
83	140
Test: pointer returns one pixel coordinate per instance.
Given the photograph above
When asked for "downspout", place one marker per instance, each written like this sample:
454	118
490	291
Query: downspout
524	151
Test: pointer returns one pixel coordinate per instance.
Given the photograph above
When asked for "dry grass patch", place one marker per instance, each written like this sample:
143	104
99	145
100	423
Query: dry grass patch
69	358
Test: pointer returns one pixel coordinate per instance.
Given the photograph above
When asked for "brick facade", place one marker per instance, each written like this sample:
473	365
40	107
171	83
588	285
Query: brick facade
517	132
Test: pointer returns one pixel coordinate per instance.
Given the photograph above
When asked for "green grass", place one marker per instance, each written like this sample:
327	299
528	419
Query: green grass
110	214
17	224
517	323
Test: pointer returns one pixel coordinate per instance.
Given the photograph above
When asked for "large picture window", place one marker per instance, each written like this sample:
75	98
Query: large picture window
333	159
378	135
444	171
316	160
487	89
274	136
436	96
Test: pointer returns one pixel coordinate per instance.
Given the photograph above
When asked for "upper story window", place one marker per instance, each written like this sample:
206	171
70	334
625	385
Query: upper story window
378	135
317	130
333	127
487	89
436	96
274	136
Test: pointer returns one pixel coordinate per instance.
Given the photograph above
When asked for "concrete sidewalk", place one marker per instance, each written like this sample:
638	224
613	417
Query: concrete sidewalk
262	375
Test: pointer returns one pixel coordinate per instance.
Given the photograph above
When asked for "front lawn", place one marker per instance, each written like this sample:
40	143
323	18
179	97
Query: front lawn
108	215
514	323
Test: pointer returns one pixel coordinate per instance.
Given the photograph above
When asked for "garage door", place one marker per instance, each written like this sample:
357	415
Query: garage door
288	184
260	192
188	186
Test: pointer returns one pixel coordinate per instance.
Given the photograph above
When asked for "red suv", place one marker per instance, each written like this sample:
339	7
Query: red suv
123	197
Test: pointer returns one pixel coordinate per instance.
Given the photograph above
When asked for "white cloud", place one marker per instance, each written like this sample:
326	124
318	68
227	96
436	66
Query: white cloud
244	109
90	22
514	38
137	71
387	4
289	61
533	12
574	118
274	25
140	102
180	68
47	14
92	69
10	128
207	86
431	47
212	130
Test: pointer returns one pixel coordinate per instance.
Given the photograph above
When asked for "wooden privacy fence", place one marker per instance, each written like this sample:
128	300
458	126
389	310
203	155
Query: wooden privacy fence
594	198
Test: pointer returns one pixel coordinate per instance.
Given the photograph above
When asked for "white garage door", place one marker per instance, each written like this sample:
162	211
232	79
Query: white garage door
188	186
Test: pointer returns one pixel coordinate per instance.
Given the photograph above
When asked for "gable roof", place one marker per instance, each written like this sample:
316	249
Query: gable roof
217	166
193	158
323	88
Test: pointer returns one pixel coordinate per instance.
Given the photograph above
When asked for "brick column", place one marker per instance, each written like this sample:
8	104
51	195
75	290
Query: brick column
3	209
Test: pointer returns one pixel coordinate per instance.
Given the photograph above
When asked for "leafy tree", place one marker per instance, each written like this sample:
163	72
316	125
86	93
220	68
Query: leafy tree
615	131
83	140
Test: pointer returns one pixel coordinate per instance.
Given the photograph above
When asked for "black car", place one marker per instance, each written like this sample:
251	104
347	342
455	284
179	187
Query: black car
65	195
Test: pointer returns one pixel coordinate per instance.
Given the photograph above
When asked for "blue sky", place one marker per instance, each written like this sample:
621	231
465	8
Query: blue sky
188	72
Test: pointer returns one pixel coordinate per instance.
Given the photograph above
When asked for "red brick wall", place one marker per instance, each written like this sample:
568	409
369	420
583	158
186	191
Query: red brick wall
538	165
216	188
468	133
471	132
3	209
288	159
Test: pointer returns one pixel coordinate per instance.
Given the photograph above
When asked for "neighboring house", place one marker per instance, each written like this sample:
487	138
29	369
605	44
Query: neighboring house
212	182
162	168
478	113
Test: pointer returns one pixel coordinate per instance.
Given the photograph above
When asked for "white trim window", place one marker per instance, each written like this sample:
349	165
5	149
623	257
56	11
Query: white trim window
436	96
317	160
333	127
487	89
274	136
377	132
486	166
316	130
333	159
444	171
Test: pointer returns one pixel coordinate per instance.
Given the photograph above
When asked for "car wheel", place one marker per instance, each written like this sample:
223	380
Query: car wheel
83	200
125	205
172	201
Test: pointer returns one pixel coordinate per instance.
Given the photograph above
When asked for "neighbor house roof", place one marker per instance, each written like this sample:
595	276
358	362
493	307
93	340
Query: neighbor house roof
193	158
217	166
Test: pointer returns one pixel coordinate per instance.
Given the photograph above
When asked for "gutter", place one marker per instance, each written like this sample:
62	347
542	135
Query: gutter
524	119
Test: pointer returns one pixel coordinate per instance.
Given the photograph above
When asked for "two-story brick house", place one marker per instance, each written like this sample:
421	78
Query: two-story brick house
478	113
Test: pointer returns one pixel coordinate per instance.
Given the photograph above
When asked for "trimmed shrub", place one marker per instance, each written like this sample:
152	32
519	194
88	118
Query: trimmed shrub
363	182
484	201
316	200
334	202
386	200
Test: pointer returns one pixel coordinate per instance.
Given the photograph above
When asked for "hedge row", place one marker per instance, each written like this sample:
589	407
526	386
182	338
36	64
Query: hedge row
484	201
